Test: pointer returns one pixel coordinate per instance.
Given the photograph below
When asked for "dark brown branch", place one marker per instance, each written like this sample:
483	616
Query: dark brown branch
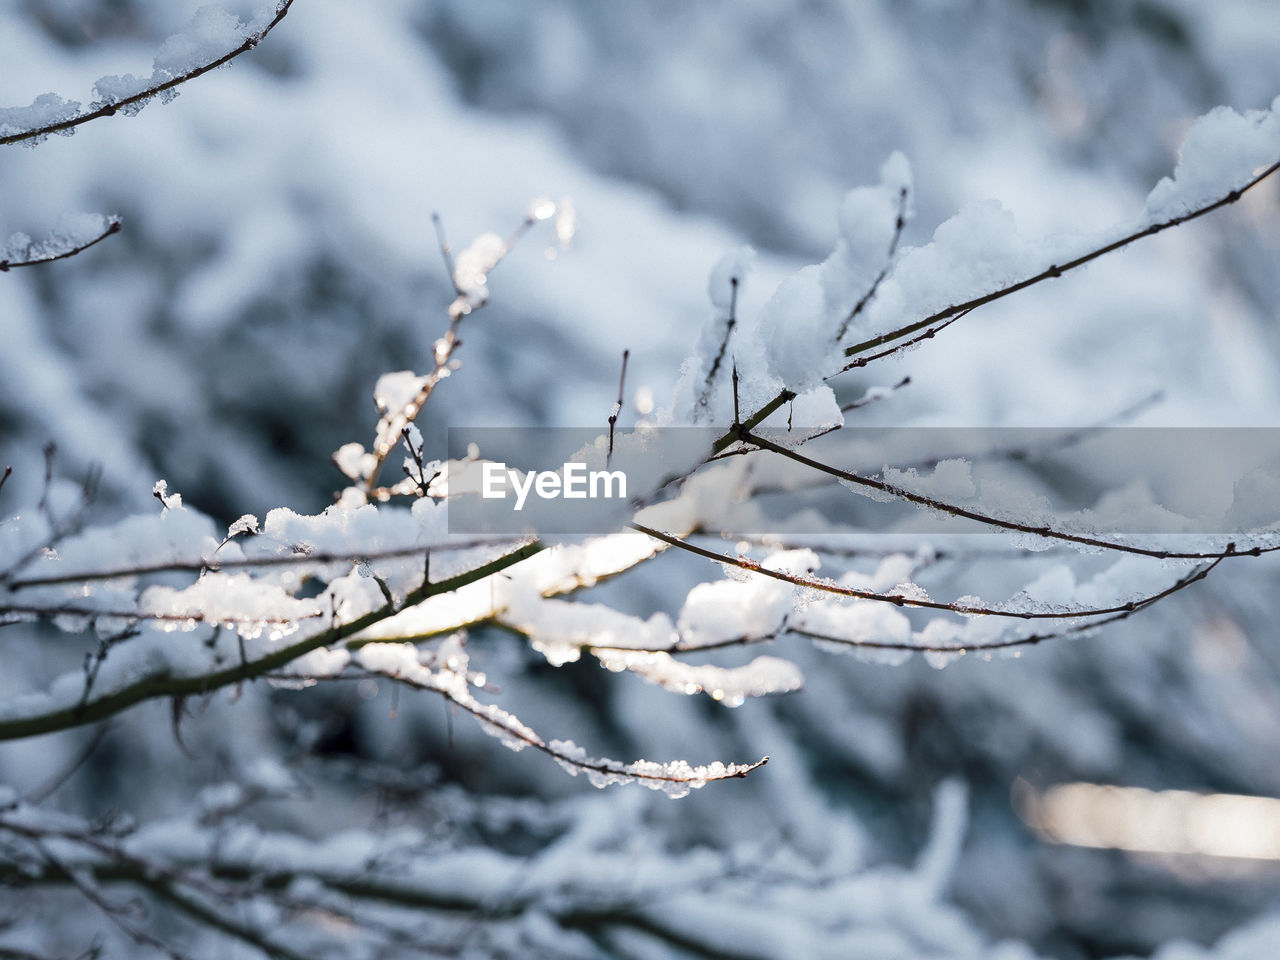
902	347
1029	640
1020	641
109	109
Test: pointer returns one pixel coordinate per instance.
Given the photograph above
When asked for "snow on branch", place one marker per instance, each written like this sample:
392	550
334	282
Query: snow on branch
447	676
71	237
151	666
1225	156
910	595
1223	147
214	38
1003	523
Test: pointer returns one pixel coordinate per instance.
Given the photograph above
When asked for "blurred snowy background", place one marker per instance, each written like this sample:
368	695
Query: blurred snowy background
278	256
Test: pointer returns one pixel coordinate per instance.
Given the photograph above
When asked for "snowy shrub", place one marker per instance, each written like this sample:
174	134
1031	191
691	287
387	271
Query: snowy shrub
374	593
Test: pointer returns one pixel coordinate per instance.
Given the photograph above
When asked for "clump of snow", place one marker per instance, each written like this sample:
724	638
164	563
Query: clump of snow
46	110
171	501
731	686
246	524
1223	150
70	232
676	778
354	461
239	600
951	481
799	327
212	34
729	273
471	272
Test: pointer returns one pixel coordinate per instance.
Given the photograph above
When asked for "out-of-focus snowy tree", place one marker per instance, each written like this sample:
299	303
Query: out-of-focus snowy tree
279	257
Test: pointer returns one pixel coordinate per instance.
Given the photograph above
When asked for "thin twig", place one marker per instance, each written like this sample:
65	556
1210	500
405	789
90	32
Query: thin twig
730	323
94	613
1054	271
55	783
617	407
522	733
950	314
870	295
874	397
446	252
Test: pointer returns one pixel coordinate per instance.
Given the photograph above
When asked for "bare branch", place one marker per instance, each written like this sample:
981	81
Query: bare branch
730	322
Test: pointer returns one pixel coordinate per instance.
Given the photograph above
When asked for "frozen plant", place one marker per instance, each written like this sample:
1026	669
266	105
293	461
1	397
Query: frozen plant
375	588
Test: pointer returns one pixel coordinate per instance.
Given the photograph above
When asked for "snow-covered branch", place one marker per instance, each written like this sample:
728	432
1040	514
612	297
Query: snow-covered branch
72	238
213	39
